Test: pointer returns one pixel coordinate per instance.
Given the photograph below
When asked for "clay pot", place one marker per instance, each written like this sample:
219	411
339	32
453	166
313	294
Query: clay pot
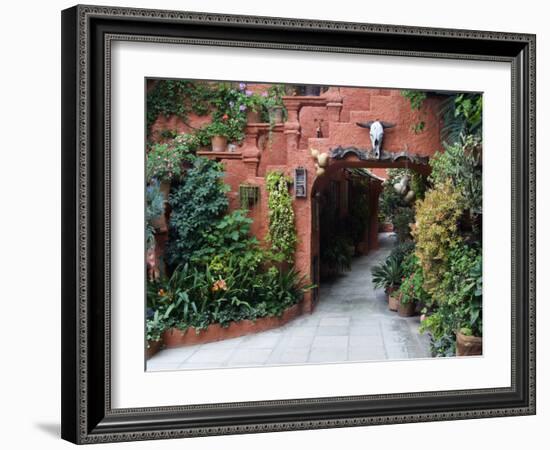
276	114
253	117
406	310
153	347
320	171
409	197
314	153
468	345
394	300
219	143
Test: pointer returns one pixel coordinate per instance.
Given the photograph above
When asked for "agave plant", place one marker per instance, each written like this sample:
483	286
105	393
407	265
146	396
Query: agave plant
388	274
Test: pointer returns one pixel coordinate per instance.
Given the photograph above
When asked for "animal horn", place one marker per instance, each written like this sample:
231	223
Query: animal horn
387	124
365	124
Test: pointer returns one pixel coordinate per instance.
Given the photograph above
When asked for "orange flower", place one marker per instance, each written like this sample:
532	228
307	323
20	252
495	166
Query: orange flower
219	285
161	292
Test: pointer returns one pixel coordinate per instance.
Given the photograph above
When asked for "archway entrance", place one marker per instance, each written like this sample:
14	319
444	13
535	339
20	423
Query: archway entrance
345	211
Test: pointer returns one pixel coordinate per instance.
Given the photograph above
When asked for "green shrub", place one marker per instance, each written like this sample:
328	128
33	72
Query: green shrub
197	204
459	163
282	232
412	285
436	232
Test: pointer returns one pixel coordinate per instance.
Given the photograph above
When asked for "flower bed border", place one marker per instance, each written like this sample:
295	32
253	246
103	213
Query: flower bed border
174	337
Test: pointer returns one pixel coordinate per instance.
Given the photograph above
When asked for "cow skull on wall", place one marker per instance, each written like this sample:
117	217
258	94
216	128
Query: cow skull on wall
377	128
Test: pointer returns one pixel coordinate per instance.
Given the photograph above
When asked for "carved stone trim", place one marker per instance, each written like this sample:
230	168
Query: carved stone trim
340	153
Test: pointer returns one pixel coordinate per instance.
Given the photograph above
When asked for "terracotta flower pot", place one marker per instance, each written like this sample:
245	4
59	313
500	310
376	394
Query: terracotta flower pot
407	309
468	345
153	347
394	300
253	117
276	114
219	143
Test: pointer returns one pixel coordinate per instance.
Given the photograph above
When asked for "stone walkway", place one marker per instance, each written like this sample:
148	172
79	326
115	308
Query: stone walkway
351	323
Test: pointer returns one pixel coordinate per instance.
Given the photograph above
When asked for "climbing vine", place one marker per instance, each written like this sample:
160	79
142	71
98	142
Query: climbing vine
416	99
282	232
177	98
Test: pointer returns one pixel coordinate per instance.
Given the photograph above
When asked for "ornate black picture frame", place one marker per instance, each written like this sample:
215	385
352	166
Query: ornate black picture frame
87	34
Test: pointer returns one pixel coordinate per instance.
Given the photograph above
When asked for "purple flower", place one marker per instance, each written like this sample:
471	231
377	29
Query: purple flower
242	86
242	108
264	94
248	93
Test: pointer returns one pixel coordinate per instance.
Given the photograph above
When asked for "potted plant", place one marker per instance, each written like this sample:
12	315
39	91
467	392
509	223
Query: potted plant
273	103
387	276
469	333
218	132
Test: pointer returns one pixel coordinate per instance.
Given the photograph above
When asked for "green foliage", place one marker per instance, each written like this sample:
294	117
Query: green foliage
416	98
230	236
388	274
154	207
402	218
196	297
177	98
282	232
412	286
197	203
436	232
459	300
165	160
459	163
462	116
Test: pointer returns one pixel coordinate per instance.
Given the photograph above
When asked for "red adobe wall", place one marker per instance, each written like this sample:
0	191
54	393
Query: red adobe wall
335	113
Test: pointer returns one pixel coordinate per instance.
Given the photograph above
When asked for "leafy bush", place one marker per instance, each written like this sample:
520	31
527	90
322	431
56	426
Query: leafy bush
282	232
230	236
462	116
197	204
436	232
459	301
412	285
402	218
459	163
233	291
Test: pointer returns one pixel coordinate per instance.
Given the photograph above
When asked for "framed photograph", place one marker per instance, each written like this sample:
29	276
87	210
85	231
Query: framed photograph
282	224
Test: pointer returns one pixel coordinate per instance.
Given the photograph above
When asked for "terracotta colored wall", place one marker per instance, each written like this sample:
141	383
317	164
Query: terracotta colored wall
339	109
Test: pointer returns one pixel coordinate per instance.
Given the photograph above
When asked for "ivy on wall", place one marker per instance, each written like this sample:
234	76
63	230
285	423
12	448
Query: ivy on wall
177	98
282	232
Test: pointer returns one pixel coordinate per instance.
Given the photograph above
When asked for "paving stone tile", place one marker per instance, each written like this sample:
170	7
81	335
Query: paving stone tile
330	342
351	323
332	331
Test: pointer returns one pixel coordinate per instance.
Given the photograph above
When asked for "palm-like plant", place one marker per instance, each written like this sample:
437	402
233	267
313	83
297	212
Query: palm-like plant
388	274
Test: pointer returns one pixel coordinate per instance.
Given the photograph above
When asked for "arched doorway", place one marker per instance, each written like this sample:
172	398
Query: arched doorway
350	185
